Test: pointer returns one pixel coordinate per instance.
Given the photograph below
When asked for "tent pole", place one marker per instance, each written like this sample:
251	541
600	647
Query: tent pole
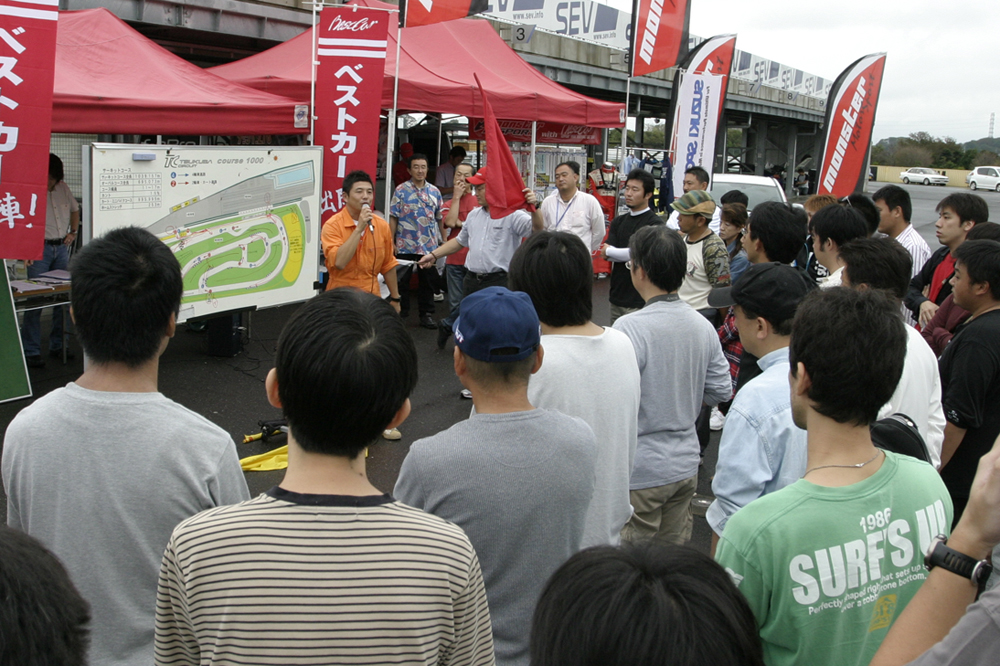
624	144
531	166
312	86
391	139
440	123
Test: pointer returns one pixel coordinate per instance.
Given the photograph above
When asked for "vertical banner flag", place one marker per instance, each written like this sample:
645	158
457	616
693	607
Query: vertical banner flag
700	86
351	55
27	68
504	184
850	117
426	12
659	34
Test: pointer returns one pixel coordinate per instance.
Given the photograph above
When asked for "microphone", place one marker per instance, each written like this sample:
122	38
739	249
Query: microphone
371	227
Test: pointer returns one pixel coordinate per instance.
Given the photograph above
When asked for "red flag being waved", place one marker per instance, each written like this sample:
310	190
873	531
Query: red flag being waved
504	185
426	12
659	34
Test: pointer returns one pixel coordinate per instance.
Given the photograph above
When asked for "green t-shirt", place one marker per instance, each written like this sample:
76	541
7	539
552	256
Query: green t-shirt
827	570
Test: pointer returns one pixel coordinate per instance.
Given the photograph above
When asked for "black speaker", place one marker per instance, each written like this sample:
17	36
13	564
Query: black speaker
225	335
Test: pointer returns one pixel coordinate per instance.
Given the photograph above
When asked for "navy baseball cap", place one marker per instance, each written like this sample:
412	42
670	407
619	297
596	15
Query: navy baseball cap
496	325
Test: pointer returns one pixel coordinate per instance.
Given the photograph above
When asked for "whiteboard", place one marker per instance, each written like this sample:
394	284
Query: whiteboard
243	222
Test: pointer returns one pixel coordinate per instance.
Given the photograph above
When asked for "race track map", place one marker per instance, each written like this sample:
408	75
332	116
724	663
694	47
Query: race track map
241	222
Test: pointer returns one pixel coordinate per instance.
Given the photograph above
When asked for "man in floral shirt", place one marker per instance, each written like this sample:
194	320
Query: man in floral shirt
415	223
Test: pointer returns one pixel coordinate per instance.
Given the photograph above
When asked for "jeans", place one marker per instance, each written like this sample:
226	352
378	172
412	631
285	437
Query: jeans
425	292
455	275
54	258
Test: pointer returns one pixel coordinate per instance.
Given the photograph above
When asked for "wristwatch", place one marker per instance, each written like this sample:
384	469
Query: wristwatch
394	300
940	555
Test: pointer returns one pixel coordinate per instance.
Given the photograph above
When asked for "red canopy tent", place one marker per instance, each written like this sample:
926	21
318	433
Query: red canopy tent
109	79
435	75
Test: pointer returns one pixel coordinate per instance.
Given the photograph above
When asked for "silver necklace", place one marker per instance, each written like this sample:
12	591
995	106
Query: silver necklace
856	466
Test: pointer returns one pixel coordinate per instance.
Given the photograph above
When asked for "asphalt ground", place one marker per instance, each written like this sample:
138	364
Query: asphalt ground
230	393
926	197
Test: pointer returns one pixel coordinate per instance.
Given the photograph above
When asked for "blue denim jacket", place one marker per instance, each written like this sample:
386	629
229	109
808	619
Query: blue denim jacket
761	450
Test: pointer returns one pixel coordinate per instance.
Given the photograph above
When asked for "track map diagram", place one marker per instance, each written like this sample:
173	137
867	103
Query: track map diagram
242	223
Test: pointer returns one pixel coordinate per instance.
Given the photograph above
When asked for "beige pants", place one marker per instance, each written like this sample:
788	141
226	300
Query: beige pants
619	311
662	513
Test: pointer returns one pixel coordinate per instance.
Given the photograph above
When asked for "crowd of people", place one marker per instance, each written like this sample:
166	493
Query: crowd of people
548	528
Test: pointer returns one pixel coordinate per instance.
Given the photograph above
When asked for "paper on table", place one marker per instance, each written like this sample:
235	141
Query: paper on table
58	274
23	286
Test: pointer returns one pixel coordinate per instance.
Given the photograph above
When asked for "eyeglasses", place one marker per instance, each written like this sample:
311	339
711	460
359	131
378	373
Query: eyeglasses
628	264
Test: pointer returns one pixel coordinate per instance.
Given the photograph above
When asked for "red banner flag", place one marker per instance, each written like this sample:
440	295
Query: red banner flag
426	12
504	184
351	54
659	34
27	68
850	117
545	132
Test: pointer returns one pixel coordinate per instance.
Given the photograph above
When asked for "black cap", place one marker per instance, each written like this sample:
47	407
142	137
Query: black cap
772	291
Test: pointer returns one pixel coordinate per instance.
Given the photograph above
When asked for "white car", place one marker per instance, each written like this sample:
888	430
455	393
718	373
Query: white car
986	177
757	188
923	175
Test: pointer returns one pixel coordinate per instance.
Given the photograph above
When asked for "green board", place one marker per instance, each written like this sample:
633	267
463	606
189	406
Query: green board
14	382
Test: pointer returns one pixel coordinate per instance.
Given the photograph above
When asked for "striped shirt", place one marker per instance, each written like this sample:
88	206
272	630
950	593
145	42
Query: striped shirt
921	252
287	578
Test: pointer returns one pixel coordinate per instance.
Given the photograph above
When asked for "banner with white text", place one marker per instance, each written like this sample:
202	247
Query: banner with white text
659	35
545	132
696	120
850	117
351	55
27	68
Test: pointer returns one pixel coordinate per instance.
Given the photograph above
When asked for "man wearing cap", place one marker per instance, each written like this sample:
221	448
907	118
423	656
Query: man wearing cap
707	257
569	209
761	450
518	480
491	242
696	179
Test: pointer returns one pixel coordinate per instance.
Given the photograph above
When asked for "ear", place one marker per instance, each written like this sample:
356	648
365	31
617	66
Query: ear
460	367
400	416
758	247
763	329
72	317
980	288
271	387
172	325
539	354
800	383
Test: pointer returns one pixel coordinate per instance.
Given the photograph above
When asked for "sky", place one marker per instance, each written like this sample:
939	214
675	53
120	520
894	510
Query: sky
942	65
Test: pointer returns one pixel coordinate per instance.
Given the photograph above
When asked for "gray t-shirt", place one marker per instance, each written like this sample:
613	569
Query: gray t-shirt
681	365
519	484
491	242
102	479
971	642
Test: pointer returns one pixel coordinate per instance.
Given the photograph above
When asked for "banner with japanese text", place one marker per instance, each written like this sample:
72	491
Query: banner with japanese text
850	117
351	56
426	12
545	132
659	35
27	68
696	120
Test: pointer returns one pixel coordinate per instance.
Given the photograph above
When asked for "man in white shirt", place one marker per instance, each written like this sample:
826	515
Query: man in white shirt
894	207
569	209
695	178
831	228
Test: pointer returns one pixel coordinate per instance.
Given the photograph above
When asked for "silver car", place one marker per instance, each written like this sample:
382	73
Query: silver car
923	175
757	188
986	177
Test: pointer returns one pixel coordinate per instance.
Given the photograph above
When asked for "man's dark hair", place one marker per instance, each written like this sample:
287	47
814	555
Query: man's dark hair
981	260
852	344
839	224
660	252
499	375
780	228
735	197
894	196
356	177
575	166
457	151
644	177
866	208
968	207
984	231
126	285
415	156
345	365
700	174
56	168
643	603
880	263
555	269
43	619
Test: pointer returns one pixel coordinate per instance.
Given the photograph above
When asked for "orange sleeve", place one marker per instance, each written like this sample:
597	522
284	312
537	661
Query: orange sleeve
331	238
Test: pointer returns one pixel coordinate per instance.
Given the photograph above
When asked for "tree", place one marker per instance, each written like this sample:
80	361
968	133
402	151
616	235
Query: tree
912	156
986	158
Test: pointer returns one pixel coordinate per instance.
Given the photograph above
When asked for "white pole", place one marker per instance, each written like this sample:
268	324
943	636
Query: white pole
312	86
628	89
531	166
440	122
391	139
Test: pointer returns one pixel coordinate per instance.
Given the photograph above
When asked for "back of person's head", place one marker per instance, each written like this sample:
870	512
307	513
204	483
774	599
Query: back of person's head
984	231
498	334
699	173
555	269
644	177
457	151
879	263
839	224
817	201
894	196
43	619
644	603
345	365
866	208
413	158
126	287
968	207
780	228
735	197
357	176
981	261
56	171
575	166
661	254
852	344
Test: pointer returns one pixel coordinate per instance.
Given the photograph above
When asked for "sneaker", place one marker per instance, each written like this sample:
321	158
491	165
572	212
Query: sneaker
392	435
466	393
717	420
438	297
35	361
444	332
427	321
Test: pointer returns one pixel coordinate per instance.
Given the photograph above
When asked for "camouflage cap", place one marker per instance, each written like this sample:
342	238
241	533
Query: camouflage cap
695	202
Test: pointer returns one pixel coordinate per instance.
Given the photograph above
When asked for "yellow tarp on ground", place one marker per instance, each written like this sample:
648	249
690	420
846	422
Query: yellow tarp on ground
266	462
